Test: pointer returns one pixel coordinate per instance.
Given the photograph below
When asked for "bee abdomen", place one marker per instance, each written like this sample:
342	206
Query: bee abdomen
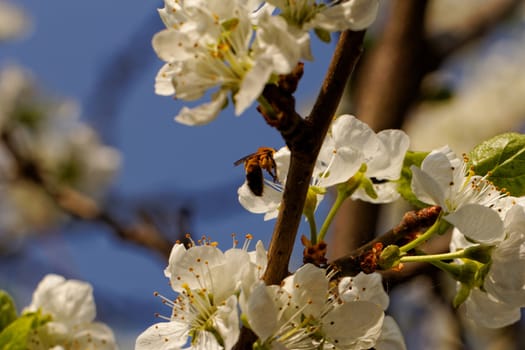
255	180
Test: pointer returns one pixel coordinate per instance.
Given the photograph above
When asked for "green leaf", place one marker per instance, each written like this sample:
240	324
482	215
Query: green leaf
7	310
16	335
403	184
502	159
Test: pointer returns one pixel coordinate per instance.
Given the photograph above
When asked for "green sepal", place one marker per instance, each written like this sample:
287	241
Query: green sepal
310	203
480	253
468	276
7	309
502	159
461	295
368	186
323	35
403	183
17	335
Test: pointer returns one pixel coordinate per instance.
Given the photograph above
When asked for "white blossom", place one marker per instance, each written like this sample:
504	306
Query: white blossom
72	309
499	301
350	143
234	47
208	282
306	313
466	199
331	16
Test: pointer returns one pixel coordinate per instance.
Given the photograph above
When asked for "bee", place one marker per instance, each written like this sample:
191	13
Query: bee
254	164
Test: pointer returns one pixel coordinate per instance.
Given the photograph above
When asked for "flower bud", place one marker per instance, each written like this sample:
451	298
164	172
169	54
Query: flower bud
390	257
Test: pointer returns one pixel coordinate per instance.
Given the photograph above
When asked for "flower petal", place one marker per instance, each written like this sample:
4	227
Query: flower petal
391	337
477	222
69	301
489	312
94	336
268	203
425	188
204	113
252	85
388	163
163	336
364	287
262	312
361	329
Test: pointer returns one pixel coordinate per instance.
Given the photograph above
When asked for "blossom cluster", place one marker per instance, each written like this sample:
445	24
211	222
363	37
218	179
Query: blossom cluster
486	220
240	46
216	290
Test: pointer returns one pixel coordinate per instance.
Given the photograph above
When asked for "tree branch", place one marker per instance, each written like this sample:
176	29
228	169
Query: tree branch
305	143
412	224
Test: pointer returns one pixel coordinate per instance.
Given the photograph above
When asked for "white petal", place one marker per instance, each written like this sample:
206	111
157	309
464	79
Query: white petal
490	312
204	113
391	337
170	45
477	222
262	312
226	321
276	42
439	166
163	80
68	301
364	287
177	253
206	341
357	323
426	189
352	15
163	336
386	193
346	162
348	131
196	261
252	85
506	277
310	287
95	335
268	202
388	163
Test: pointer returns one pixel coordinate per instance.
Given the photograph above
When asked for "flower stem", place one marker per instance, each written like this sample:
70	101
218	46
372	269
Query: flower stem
313	227
433	257
438	227
343	191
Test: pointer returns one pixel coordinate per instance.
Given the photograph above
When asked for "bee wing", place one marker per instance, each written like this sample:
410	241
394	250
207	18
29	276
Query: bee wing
243	159
261	150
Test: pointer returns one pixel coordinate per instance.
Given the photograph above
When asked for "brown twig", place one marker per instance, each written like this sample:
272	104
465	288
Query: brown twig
413	222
